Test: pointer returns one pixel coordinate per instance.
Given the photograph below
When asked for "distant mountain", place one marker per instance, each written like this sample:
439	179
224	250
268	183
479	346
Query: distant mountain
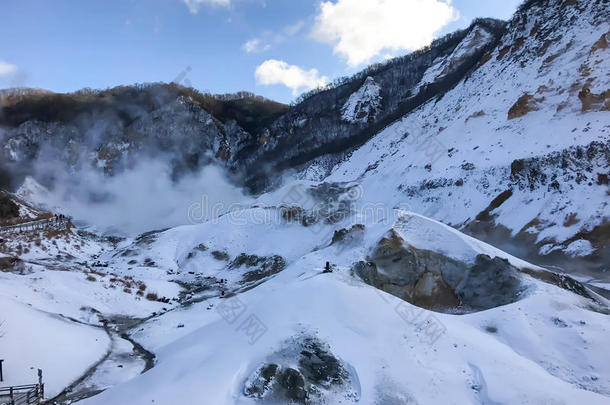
318	124
253	136
113	129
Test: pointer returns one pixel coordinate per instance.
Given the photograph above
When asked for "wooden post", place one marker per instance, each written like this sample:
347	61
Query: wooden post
40	384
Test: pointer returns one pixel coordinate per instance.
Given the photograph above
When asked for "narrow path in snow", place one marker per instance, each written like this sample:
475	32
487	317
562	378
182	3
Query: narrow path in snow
118	328
124	353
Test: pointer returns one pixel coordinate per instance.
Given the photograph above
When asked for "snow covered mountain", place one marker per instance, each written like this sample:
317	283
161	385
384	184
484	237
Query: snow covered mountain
518	153
433	230
46	134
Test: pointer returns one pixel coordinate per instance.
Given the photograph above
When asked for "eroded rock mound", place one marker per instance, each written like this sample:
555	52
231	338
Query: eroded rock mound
431	280
304	372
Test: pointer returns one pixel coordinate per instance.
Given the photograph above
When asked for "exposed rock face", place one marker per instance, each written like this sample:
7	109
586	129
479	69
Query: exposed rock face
326	202
476	39
257	267
490	283
364	104
8	208
348	235
596	102
522	106
12	264
434	281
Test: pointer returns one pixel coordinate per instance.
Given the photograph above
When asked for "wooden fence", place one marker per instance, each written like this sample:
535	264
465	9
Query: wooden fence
22	395
50	223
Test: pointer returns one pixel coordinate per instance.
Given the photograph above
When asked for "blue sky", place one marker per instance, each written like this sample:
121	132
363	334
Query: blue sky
276	48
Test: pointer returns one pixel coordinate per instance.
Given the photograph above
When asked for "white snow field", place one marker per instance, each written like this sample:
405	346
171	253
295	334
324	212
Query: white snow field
33	339
548	347
240	310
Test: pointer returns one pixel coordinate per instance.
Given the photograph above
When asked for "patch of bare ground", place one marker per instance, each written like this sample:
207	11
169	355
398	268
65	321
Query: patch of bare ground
502	52
534	224
10	264
484	59
519	43
525	104
601	43
598	236
549	59
486	215
594	102
475	115
151	296
571	220
547	43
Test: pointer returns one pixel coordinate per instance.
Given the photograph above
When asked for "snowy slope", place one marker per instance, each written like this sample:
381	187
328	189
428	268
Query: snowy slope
521	122
386	345
38	195
238	309
32	339
476	39
235	314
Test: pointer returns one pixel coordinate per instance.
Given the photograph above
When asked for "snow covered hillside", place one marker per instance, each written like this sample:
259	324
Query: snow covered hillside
243	341
239	310
517	153
442	238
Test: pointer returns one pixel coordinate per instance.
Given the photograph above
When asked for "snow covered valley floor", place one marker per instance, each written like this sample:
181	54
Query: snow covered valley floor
240	310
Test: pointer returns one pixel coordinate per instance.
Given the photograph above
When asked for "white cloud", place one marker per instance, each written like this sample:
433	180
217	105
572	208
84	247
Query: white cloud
294	29
268	39
195	5
11	75
7	69
279	72
363	29
255	45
